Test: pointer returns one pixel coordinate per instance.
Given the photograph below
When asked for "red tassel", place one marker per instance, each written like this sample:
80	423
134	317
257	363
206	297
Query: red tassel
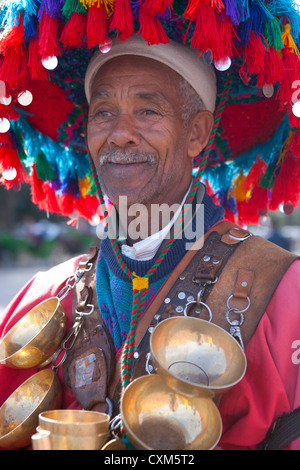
286	188
206	28
48	36
151	28
255	174
122	19
9	159
291	65
87	206
213	31
252	209
35	61
74	30
96	25
273	69
14	70
50	201
37	191
156	7
8	112
254	55
192	7
66	204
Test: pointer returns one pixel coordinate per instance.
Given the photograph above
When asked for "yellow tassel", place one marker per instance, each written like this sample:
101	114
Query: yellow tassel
239	191
84	186
139	283
288	39
108	4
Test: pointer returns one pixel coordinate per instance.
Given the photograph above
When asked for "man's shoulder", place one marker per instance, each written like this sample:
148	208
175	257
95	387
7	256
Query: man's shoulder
43	285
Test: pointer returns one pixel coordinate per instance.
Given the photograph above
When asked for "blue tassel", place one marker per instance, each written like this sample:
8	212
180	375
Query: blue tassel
255	23
237	10
287	8
52	7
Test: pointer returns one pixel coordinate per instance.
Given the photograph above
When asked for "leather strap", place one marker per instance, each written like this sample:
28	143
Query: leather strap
285	430
90	363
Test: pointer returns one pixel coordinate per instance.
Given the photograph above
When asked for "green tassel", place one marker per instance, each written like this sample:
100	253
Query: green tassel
273	34
71	6
44	169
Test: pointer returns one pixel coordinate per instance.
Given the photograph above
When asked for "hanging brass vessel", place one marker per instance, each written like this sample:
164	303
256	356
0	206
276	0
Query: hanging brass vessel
19	413
34	339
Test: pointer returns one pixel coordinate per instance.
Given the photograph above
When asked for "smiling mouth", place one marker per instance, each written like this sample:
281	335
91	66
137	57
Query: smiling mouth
127	158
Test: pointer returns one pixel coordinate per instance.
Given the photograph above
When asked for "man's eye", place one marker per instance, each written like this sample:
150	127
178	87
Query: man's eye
102	113
151	112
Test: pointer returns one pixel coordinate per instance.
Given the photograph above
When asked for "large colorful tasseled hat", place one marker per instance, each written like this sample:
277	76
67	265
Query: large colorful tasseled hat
45	45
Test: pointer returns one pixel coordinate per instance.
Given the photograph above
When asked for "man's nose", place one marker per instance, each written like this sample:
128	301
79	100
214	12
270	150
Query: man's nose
124	132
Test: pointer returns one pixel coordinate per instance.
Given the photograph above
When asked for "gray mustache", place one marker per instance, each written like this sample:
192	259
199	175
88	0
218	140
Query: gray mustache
127	156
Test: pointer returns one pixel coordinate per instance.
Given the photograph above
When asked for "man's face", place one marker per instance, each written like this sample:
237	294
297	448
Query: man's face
136	134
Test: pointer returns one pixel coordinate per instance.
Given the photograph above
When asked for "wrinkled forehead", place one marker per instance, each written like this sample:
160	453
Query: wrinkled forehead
174	56
137	75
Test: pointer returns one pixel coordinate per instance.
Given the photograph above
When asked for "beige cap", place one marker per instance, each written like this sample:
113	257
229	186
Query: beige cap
185	61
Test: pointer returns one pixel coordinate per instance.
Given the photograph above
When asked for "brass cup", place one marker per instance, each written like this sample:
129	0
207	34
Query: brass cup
74	422
155	417
196	357
19	414
71	430
45	440
36	337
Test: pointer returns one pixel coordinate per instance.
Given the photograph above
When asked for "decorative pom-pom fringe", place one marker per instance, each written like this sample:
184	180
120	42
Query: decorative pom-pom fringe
122	19
291	73
10	161
14	70
286	188
48	36
151	29
254	56
273	69
74	30
35	61
37	192
96	25
156	7
212	31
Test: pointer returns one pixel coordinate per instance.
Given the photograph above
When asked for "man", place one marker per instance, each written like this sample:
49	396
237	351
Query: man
143	137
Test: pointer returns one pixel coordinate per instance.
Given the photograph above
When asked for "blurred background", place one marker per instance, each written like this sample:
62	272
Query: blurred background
31	240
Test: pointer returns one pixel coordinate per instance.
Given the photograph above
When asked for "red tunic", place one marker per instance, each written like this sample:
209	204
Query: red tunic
270	387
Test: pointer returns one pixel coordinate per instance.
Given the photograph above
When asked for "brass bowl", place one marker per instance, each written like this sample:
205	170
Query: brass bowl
34	338
196	357
77	423
19	413
155	417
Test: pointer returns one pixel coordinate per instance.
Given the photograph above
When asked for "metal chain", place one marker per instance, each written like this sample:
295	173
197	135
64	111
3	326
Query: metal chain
73	281
70	339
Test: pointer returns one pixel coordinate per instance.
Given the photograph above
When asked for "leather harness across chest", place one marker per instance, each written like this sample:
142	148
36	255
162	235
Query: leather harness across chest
229	280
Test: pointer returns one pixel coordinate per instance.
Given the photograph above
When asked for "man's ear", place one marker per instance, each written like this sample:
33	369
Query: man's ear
201	125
